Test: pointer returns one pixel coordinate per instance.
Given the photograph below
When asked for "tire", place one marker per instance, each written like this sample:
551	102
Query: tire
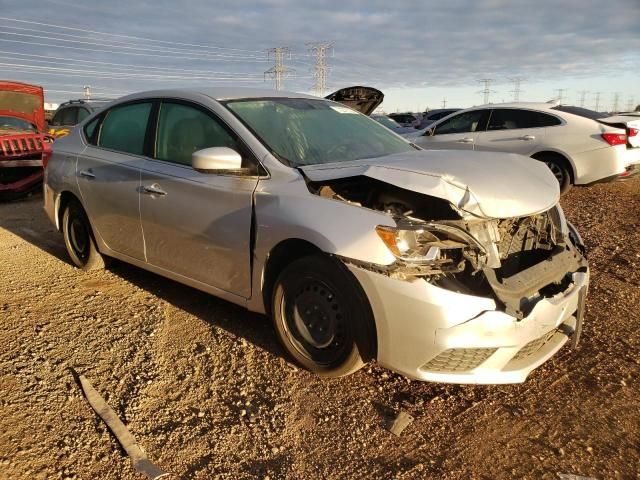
322	317
560	171
78	238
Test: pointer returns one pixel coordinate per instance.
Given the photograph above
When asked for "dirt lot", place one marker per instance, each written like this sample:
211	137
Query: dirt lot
204	386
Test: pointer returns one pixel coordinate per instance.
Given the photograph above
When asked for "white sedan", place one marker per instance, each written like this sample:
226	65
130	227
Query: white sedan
577	148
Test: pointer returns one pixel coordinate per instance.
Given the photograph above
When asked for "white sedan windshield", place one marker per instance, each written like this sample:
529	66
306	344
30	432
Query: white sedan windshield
309	132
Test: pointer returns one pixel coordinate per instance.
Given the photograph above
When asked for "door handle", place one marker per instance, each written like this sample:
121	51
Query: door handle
465	140
528	137
87	174
153	190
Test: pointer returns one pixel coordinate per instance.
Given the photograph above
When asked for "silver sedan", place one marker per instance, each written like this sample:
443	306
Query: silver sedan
446	266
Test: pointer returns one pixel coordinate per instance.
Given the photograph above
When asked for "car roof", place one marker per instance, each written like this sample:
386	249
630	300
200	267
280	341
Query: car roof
222	93
529	105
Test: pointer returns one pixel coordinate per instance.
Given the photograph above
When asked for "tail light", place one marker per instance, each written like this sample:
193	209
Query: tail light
632	132
615	138
47	151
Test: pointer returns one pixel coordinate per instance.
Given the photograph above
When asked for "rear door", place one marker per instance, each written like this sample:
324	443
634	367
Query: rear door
515	130
108	173
456	133
197	225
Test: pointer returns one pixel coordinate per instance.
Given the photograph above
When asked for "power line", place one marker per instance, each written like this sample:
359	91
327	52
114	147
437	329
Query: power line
486	90
630	103
126	66
321	69
278	71
86	49
517	81
124	36
201	55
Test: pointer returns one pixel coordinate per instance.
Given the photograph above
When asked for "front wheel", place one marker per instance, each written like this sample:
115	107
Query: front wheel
321	316
78	238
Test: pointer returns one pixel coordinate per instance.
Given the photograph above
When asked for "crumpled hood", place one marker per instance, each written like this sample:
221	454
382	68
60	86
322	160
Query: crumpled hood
484	184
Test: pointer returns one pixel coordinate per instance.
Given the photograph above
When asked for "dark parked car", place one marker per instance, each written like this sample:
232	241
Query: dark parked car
70	113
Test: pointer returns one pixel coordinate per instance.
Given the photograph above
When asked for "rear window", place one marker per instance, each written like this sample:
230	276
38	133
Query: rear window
511	118
124	128
581	112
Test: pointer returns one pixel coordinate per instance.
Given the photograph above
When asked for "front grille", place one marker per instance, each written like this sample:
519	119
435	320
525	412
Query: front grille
458	359
534	345
20	144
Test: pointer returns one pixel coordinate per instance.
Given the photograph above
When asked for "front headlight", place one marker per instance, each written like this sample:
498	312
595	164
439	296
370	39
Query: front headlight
443	247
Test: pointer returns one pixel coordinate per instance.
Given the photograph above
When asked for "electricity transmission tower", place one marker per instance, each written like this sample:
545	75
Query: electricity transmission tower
517	81
319	50
583	94
597	105
616	99
87	92
630	104
486	90
560	95
444	103
278	71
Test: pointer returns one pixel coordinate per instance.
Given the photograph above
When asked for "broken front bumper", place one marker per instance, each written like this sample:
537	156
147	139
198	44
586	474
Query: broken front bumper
429	333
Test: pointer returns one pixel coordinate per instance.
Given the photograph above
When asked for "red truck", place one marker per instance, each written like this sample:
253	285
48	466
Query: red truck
24	146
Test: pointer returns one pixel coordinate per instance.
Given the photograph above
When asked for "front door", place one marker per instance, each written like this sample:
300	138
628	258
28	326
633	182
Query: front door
197	225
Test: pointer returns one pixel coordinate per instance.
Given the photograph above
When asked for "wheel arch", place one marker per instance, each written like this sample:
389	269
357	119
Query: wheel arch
289	250
559	156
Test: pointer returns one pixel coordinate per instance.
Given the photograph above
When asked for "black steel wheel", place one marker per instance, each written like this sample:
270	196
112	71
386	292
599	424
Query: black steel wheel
78	238
321	316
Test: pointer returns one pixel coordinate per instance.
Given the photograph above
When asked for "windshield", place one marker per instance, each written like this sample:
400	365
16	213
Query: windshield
15	123
310	132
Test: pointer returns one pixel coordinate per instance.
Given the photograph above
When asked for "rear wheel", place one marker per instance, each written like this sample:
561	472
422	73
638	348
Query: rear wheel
321	316
78	238
560	170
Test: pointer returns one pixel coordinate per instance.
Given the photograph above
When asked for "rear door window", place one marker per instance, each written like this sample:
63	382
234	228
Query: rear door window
511	119
124	128
472	121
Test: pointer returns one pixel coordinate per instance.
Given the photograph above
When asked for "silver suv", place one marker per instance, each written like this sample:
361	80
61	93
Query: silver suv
359	245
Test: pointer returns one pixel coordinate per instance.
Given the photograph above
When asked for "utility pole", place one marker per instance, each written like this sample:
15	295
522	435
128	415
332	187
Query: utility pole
517	81
319	50
583	94
278	71
444	103
486	90
616	99
560	94
87	92
597	106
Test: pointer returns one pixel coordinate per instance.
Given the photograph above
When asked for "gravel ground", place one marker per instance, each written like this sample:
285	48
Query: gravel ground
206	390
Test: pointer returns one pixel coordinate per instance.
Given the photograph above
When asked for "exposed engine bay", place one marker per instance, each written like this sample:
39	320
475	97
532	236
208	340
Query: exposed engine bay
516	261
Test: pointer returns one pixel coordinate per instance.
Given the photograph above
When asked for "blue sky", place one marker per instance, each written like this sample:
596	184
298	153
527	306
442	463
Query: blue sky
418	53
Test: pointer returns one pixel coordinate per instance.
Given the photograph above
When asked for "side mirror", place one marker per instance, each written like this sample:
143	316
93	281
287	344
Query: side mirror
217	160
430	132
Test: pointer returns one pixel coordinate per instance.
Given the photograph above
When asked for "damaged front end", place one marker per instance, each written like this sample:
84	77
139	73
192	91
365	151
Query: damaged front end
514	261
